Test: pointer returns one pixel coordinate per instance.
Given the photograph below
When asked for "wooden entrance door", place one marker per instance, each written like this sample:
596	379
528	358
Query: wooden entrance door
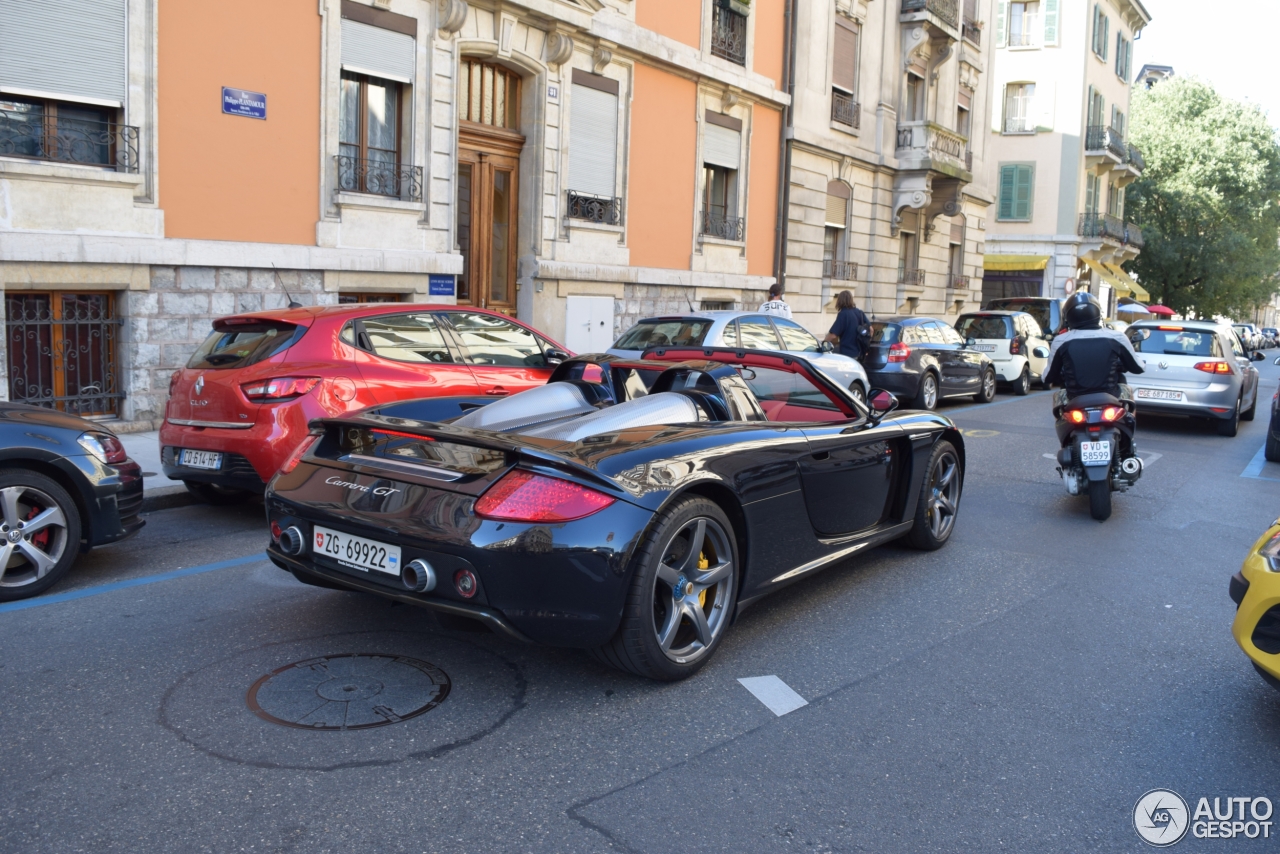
488	205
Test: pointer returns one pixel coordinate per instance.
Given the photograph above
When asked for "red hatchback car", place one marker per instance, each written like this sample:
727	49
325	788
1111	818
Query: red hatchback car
242	404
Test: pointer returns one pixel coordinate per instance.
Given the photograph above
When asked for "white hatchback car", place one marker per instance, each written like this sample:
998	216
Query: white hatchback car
746	329
1013	340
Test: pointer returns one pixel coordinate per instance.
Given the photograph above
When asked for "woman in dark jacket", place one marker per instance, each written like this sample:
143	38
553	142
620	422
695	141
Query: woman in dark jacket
848	326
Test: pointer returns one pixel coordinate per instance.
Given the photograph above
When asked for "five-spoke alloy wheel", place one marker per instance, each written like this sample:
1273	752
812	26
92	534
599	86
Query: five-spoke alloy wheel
939	499
682	593
39	534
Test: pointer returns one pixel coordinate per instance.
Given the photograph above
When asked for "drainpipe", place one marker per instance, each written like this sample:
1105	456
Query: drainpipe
784	155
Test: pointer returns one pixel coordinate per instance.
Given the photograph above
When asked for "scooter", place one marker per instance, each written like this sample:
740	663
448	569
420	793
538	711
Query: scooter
1097	453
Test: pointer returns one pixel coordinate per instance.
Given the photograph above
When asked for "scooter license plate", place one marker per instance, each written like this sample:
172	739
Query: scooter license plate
1095	453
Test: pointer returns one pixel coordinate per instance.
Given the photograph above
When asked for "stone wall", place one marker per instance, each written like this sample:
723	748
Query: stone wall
164	325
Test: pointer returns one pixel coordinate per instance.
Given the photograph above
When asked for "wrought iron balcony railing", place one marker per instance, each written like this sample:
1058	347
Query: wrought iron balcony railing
1133	235
379	178
843	271
972	31
728	34
958	283
1099	225
845	110
1019	124
911	278
595	208
39	136
716	224
1135	158
948	11
1100	138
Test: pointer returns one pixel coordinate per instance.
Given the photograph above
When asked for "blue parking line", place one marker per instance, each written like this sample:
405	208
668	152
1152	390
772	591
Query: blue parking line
132	582
1256	465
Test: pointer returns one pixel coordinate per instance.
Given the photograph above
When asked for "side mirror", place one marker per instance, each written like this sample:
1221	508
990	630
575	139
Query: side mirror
1277	361
882	402
1258	356
826	347
971	343
554	356
1041	352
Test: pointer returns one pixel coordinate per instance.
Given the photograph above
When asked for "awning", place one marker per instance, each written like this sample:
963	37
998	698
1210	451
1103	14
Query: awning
1138	291
1107	276
1015	262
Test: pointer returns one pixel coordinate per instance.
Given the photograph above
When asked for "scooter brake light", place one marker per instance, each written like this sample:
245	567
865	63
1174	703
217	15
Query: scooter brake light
1076	416
1112	413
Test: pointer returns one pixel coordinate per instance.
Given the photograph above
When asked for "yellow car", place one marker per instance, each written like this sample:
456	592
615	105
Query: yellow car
1256	591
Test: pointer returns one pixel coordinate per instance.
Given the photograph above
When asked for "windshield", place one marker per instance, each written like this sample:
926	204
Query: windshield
678	332
980	326
1039	309
1174	342
245	346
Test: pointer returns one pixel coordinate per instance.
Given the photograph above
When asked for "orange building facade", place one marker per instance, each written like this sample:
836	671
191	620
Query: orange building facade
577	166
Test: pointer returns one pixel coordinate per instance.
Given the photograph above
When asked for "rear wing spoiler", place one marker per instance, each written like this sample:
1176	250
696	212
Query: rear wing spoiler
523	452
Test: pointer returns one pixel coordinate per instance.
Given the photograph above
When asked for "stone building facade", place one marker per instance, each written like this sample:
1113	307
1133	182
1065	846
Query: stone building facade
543	159
888	194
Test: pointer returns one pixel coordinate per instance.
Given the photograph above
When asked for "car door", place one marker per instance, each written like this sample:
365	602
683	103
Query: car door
970	363
952	380
504	356
406	355
1248	373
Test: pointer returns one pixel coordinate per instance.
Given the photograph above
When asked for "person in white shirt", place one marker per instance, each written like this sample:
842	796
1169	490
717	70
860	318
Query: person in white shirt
776	304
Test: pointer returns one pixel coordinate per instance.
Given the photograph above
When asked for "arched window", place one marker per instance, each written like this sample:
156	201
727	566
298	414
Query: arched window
488	94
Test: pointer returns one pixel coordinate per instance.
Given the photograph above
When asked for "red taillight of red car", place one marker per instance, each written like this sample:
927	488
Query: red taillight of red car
296	457
278	389
1076	416
522	496
899	352
1213	367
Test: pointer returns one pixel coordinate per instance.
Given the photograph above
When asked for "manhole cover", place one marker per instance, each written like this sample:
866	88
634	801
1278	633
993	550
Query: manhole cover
349	691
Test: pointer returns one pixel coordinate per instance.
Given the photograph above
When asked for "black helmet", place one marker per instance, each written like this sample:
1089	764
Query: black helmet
1082	311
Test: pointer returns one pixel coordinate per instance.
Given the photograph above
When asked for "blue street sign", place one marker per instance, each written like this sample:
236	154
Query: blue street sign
239	102
440	286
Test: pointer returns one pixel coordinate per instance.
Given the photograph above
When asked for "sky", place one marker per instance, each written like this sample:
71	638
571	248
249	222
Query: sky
1230	43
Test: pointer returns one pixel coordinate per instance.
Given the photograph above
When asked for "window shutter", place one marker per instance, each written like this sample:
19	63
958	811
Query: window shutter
721	146
1119	55
72	49
1002	15
1022	193
1008	175
837	211
844	56
382	53
593	142
1106	35
1050	22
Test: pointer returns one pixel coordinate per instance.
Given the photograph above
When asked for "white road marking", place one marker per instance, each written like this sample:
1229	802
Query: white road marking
774	693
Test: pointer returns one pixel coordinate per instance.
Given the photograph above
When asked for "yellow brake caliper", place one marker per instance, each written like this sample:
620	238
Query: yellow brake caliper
703	563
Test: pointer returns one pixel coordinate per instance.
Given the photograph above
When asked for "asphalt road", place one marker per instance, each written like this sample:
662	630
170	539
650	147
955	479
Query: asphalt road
1018	690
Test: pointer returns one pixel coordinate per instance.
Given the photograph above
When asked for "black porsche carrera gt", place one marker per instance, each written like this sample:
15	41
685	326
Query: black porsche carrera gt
630	507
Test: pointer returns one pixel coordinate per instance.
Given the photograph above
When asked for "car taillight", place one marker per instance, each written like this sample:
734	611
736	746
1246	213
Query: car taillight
1112	413
280	388
296	457
522	496
1213	367
899	352
104	446
1076	416
1015	347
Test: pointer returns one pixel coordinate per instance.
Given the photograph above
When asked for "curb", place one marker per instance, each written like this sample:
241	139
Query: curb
166	498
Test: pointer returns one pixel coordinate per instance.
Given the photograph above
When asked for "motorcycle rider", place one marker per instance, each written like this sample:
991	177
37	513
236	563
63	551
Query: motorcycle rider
1089	358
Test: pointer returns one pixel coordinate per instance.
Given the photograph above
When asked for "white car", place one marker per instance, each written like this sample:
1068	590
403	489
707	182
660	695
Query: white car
748	330
1014	341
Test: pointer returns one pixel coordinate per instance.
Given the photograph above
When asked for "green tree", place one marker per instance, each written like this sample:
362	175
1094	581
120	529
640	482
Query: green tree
1207	201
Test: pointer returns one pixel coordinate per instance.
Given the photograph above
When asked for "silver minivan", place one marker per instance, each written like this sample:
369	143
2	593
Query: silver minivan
1194	368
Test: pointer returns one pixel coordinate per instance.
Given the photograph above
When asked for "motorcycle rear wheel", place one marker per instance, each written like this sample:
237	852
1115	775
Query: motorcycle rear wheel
1100	499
